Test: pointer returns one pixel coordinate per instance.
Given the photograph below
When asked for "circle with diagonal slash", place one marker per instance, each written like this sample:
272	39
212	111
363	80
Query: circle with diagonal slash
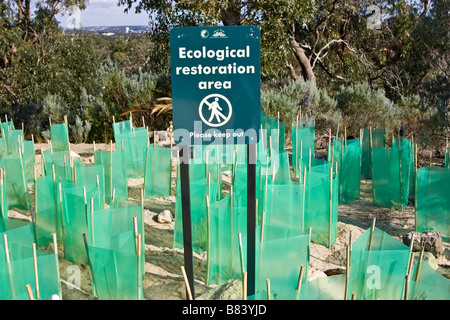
215	103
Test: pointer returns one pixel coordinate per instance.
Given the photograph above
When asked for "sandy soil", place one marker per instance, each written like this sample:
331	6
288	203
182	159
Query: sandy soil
163	277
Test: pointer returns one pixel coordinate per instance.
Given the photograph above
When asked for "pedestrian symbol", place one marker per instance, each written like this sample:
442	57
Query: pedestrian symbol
215	110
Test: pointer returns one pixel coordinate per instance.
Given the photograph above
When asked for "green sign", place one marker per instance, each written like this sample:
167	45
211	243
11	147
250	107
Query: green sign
215	75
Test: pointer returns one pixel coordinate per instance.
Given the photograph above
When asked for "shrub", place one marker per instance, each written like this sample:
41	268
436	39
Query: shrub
363	107
56	108
294	96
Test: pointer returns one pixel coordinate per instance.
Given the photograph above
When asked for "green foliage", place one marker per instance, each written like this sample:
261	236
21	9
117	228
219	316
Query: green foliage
132	54
274	18
291	97
80	130
395	77
363	107
55	108
273	101
51	64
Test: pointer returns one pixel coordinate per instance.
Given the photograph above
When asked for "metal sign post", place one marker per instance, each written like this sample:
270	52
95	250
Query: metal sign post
186	212
251	218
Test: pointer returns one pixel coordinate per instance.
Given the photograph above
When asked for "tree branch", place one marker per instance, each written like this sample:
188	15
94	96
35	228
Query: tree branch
319	24
327	71
291	69
8	89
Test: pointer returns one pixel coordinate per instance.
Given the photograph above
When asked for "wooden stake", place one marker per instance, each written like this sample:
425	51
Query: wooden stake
85	201
345	135
270	146
419	263
5	239
408	272
406	287
74	169
353	296
55	251
23	172
300	278
51	146
431	155
138	245
301	150
188	288
113	198
304	199
347	271
400	169
371	234
8	262
208	238
331	205
273	172
244	286
92	219
29	291
219	174
138	256
4	210
263	222
268	288
415	187
361	135
415	158
61	209
241	250
36	277
142	201
329	144
206	161
309	159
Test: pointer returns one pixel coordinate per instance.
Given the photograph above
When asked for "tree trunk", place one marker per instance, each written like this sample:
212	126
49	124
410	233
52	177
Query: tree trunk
305	64
27	13
20	12
231	16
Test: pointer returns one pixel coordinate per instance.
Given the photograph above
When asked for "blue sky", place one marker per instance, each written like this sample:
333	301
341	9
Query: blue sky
107	13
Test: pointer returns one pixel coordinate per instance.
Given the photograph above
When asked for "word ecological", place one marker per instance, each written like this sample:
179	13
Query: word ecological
219	69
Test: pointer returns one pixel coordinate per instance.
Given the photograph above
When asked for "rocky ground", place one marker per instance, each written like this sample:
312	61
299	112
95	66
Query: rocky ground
163	276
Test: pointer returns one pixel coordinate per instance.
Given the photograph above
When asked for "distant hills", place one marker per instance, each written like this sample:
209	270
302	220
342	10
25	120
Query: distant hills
114	30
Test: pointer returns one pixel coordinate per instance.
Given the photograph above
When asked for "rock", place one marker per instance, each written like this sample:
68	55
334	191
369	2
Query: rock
335	271
320	155
314	274
427	257
162	136
431	239
165	217
231	290
74	154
